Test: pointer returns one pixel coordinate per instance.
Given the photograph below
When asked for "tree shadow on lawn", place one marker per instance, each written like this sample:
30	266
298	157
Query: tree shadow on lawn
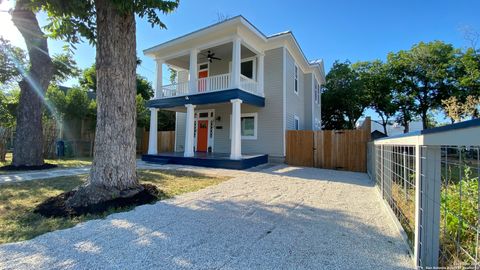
215	234
18	199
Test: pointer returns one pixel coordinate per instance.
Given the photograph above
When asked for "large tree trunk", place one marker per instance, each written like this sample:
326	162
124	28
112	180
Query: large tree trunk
424	119
113	172
28	145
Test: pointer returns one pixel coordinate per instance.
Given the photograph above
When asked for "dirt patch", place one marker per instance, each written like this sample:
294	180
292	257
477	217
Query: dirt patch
45	166
56	206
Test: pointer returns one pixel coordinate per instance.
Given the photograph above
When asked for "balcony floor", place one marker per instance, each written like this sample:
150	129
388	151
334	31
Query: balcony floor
212	160
221	96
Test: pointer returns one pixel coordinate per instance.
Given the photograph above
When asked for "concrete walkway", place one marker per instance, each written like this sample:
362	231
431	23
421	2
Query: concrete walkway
141	165
279	218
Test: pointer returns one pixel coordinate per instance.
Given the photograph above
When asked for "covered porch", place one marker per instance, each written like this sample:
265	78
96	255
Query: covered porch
210	133
210	129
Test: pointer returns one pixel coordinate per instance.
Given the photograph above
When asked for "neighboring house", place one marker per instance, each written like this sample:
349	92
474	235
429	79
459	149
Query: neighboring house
392	129
237	90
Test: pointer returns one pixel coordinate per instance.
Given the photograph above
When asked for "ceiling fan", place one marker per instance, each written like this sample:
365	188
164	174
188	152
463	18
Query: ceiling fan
211	56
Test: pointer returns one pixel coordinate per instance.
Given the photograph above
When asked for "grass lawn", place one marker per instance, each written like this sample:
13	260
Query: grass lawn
61	163
17	200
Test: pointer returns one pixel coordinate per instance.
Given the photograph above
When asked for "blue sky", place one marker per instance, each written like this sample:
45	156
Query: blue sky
331	30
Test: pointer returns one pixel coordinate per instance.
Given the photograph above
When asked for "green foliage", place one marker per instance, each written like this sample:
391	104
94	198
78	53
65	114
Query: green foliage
425	74
74	104
143	114
8	108
88	81
65	67
144	87
77	103
378	87
343	98
73	20
467	70
173	75
460	198
11	58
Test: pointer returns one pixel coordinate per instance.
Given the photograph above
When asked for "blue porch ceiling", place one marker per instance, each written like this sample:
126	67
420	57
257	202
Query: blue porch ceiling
208	98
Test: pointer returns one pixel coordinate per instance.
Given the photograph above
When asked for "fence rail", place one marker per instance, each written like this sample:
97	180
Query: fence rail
165	141
430	182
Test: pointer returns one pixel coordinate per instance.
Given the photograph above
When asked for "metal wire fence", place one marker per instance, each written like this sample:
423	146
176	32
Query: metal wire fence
459	207
446	204
395	178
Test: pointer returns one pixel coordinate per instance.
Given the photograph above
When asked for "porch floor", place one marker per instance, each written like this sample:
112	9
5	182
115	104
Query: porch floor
203	159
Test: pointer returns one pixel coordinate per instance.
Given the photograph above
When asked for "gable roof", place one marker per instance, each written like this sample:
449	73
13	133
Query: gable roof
285	38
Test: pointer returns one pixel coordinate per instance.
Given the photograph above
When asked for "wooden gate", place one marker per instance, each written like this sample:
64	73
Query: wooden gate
300	148
329	149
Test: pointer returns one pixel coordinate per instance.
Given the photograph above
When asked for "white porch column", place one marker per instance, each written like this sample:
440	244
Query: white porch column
236	143
152	135
189	131
159	80
260	72
193	71
236	62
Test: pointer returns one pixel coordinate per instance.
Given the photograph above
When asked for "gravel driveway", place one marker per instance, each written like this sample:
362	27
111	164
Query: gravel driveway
279	218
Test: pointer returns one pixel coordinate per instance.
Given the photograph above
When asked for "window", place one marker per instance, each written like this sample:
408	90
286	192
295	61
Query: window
317	92
248	126
246	69
295	77
296	122
203	115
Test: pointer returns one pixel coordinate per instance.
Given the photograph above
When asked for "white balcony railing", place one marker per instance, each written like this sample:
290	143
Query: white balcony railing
210	84
249	85
213	83
176	89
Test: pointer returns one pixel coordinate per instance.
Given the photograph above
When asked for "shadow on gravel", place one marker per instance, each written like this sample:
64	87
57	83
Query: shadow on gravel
316	174
213	234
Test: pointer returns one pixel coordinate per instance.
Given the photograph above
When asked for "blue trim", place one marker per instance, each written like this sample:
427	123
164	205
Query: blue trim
208	98
461	125
214	161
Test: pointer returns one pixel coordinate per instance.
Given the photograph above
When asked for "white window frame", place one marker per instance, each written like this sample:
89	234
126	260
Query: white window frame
203	69
253	58
296	119
255	125
317	92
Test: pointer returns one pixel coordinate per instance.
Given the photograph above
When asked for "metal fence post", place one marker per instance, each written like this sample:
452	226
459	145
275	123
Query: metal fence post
418	216
405	173
431	171
382	174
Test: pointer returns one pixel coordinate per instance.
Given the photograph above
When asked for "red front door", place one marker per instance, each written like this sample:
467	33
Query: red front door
202	84
202	135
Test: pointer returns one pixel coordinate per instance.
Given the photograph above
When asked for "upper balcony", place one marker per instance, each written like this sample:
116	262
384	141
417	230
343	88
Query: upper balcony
210	84
231	67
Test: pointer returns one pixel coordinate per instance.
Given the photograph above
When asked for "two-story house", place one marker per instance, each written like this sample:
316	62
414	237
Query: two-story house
236	93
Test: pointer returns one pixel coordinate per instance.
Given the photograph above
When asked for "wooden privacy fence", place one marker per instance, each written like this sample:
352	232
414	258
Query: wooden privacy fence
165	141
329	149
